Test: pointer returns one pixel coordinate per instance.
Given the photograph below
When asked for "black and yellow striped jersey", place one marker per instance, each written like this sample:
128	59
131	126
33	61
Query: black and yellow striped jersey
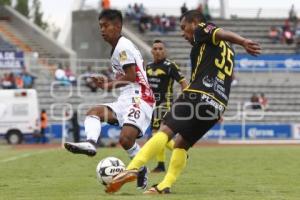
212	64
161	78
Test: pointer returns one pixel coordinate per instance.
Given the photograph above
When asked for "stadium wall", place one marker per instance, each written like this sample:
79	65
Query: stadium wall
219	132
86	39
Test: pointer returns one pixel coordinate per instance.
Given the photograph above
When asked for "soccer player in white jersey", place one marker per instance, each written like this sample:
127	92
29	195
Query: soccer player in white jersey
133	109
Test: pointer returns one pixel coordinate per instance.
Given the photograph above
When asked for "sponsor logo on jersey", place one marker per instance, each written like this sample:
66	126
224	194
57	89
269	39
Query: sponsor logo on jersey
212	102
156	72
209	28
208	82
123	56
136	102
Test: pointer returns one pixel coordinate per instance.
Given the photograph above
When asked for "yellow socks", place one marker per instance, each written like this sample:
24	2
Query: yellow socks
155	145
177	164
161	156
170	145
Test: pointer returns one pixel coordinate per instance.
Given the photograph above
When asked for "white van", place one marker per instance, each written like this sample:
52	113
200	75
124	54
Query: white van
19	114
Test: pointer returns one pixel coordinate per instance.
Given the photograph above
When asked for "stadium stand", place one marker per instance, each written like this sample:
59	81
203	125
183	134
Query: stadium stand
21	32
281	89
6	46
251	28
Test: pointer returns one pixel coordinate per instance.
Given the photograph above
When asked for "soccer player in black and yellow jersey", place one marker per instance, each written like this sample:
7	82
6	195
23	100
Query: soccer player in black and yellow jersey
161	74
200	106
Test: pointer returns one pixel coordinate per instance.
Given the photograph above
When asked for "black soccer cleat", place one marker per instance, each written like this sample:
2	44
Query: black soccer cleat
159	168
142	178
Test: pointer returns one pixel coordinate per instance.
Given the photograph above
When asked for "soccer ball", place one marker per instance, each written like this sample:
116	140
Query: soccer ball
107	168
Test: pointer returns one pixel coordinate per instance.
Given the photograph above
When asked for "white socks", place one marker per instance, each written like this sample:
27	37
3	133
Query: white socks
92	127
133	150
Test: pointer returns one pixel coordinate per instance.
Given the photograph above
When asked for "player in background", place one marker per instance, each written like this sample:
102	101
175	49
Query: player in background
161	74
200	106
133	109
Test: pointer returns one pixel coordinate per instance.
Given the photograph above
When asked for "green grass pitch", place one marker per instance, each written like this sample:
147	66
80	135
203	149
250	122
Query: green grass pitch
212	173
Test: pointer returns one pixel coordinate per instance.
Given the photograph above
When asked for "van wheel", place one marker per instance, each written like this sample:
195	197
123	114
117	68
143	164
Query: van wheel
14	137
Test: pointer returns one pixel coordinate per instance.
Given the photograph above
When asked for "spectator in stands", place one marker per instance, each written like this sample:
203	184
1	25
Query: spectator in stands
263	101
293	16
183	8
165	23
129	12
145	23
137	13
274	34
287	33
70	75
156	23
8	81
28	79
60	75
19	81
288	37
142	9
88	80
255	102
172	20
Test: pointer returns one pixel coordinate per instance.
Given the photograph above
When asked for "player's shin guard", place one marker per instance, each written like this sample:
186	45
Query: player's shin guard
161	156
92	127
177	164
149	150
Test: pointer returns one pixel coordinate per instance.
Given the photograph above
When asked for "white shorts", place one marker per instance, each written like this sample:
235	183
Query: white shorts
133	111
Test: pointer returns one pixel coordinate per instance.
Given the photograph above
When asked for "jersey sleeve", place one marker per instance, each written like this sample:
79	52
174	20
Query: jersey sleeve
205	33
126	57
176	73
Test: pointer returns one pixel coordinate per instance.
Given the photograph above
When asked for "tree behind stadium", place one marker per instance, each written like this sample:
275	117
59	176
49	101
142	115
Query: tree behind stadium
38	15
5	2
22	7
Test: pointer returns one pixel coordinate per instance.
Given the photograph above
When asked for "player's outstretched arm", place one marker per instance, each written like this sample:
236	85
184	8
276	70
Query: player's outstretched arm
253	48
122	80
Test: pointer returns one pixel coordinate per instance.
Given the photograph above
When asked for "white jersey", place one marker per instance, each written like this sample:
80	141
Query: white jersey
126	53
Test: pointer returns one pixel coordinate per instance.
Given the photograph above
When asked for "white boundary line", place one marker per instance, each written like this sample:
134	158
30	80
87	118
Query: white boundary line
259	141
24	155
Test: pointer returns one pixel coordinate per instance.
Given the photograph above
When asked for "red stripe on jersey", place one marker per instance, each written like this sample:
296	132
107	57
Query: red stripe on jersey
147	94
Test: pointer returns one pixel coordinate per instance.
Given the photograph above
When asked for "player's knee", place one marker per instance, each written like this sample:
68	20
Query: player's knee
181	143
97	111
167	131
92	111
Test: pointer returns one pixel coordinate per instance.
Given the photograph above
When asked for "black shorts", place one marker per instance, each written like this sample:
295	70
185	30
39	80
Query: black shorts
158	114
192	115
